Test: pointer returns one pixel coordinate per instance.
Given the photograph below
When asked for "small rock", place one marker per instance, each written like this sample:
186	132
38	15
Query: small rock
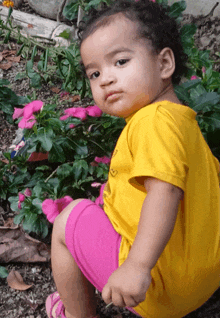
205	41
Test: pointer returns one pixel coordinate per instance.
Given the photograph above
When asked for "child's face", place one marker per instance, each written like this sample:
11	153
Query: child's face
135	74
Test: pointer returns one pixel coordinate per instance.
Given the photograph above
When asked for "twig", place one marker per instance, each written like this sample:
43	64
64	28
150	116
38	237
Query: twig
51	175
200	21
210	14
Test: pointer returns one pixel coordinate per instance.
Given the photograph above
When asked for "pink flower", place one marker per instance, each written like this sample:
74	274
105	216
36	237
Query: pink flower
19	205
52	208
27	123
27	192
64	117
32	107
94	111
193	77
28	119
203	69
78	112
71	126
18	112
102	159
99	200
21	197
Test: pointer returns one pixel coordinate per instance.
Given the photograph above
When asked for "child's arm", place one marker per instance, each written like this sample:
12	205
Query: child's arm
157	220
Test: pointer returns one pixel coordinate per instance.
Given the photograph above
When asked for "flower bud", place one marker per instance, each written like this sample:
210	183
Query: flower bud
21	197
27	192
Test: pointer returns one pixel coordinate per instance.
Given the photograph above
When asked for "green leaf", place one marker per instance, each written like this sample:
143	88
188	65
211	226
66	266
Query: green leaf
38	204
29	221
3	272
70	57
36	80
64	171
197	91
43	226
177	8
46	141
187	31
7	108
92	3
54	183
82	150
40	65
182	94
43	168
4	82
207	99
56	153
65	34
80	169
37	190
18	218
20	76
70	11
13	203
55	123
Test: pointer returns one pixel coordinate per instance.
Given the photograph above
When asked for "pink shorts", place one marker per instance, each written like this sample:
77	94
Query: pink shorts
93	243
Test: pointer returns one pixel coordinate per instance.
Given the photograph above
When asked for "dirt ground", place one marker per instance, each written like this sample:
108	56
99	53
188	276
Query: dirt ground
31	303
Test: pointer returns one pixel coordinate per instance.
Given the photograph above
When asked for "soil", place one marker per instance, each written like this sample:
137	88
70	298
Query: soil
31	303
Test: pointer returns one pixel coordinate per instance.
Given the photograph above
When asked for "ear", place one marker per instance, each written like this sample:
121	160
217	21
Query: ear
167	63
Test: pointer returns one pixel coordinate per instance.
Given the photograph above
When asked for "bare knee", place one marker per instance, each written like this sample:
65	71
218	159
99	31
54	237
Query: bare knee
61	220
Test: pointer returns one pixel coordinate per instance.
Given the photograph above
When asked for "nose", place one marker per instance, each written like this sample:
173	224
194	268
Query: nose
107	78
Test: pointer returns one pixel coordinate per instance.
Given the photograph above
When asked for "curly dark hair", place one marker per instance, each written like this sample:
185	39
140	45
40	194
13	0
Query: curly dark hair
154	24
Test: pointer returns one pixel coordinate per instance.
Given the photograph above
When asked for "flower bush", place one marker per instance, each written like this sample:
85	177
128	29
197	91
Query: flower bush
66	155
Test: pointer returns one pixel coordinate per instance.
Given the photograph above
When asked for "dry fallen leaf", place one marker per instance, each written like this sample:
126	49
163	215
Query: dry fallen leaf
15	281
30	26
6	66
55	90
18	246
10	223
14	59
5	161
75	98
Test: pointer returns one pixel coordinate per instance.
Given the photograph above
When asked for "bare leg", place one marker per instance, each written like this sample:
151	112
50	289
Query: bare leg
76	292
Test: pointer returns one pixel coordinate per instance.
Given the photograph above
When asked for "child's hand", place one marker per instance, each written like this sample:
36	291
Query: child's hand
127	286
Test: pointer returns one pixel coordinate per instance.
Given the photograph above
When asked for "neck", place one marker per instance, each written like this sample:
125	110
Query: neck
167	93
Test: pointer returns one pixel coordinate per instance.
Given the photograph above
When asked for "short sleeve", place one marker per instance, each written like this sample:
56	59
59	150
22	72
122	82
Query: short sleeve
158	149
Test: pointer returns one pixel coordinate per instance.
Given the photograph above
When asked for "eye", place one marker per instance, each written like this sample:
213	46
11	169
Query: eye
122	61
92	77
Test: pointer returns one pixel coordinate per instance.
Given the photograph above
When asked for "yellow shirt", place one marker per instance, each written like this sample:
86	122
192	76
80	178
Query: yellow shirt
163	140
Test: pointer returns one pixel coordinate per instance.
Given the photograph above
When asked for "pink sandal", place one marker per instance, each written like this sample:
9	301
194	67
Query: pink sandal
51	301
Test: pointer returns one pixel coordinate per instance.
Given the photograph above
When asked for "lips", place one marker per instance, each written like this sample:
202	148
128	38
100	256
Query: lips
111	93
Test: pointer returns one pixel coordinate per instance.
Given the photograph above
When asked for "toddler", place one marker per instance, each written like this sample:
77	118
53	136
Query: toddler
154	246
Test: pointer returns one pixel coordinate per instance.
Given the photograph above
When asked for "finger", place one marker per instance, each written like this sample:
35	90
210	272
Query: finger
118	299
107	294
130	302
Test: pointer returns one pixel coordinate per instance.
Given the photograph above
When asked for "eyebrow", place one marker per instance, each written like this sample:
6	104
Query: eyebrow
110	54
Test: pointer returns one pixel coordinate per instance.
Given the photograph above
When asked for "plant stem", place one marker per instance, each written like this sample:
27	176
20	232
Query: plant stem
51	175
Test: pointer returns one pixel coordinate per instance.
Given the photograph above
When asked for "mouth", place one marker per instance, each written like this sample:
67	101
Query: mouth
112	95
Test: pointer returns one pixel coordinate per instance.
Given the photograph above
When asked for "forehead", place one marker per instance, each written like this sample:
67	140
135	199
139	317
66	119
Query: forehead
120	30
